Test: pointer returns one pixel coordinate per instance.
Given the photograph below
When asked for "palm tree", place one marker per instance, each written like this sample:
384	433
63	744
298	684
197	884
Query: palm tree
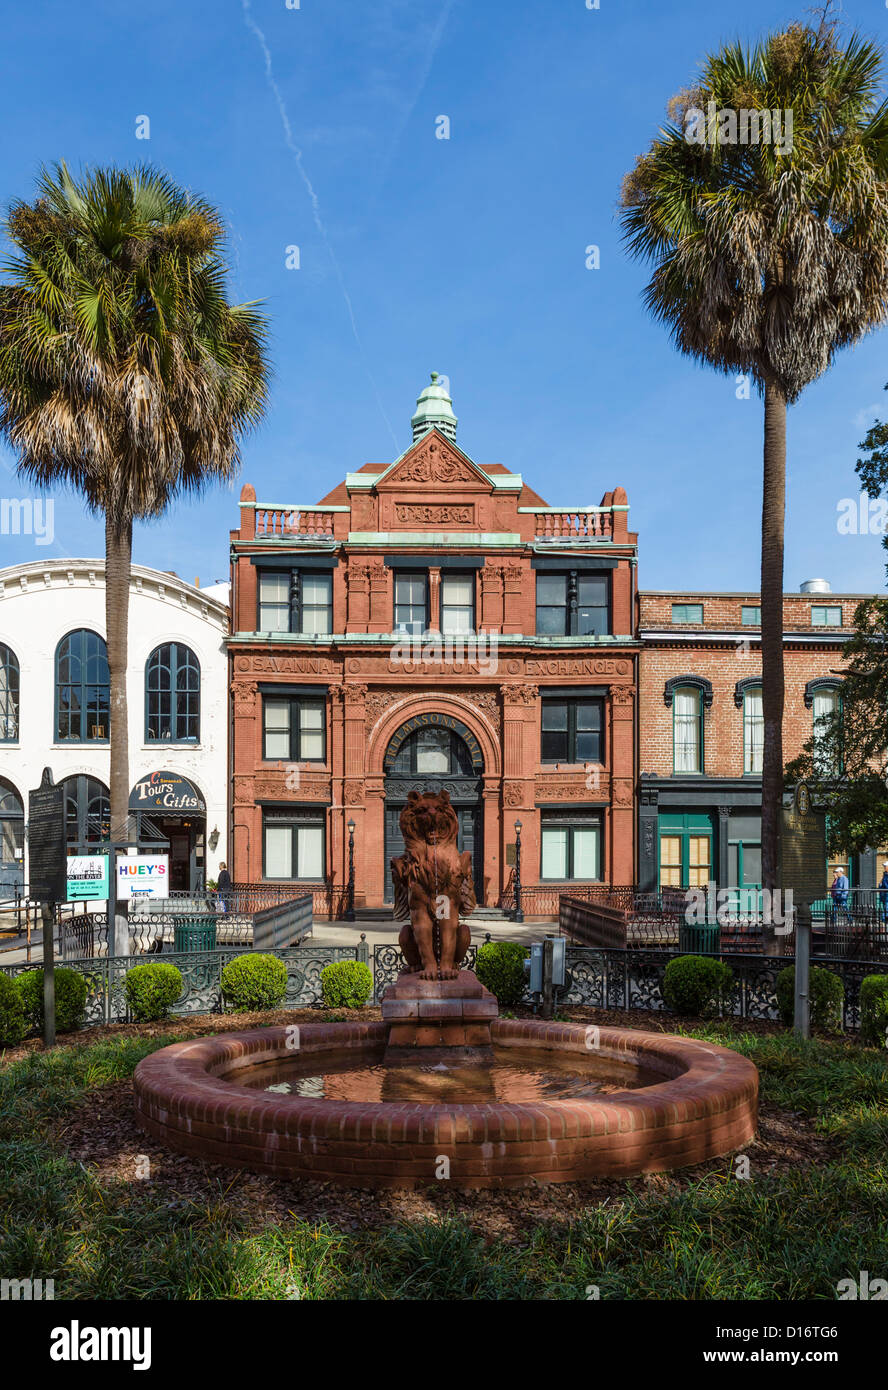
768	257
124	371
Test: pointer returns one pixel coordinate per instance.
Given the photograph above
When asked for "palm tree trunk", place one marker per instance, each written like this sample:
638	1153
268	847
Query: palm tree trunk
118	557
773	512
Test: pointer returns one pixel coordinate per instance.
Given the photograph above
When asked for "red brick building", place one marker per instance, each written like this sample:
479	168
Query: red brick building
700	727
430	623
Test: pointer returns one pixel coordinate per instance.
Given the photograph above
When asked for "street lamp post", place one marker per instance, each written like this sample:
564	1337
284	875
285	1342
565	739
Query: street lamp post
350	910
518	914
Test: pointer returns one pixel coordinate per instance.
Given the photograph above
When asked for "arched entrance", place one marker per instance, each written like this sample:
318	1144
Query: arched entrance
12	840
431	753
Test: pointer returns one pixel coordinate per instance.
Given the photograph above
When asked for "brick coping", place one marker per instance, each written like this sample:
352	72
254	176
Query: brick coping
705	1106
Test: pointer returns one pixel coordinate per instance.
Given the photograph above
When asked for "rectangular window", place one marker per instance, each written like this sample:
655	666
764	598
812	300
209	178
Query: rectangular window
570	849
753	732
572	731
411	603
687	731
687	612
750	615
294	729
826	616
314	615
299	601
593	605
294	845
274	602
457	603
552	609
572	604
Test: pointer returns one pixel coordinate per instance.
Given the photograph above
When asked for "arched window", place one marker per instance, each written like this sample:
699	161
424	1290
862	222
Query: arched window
87	811
83	692
687	729
172	695
432	751
753	730
826	703
9	695
12	839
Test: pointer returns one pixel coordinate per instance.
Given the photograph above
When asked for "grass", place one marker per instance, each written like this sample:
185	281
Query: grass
790	1235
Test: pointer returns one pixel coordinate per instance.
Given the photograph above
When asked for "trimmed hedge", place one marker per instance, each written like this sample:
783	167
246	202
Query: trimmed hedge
500	968
254	981
346	984
694	985
874	1010
12	1013
70	998
151	990
827	995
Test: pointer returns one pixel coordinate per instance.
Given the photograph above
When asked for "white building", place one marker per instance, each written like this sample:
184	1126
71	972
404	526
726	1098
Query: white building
54	710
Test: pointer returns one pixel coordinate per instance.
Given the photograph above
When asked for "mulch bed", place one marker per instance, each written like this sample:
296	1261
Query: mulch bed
101	1134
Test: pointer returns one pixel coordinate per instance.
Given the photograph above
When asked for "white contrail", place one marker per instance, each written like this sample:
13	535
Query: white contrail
437	36
315	205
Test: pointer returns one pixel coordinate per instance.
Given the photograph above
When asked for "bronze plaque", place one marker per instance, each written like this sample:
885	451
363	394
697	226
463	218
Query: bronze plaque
803	851
510	855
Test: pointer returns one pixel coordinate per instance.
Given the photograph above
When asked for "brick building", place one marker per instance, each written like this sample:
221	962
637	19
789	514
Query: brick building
700	727
433	623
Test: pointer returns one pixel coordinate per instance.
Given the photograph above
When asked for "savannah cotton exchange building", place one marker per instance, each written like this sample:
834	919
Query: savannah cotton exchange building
433	624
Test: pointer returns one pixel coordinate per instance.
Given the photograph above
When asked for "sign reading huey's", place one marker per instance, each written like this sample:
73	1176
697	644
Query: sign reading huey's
143	875
165	791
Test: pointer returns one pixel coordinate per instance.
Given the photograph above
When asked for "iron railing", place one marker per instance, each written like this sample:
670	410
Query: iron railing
601	979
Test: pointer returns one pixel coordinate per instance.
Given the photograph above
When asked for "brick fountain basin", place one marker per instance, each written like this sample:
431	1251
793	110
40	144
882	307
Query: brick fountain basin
702	1103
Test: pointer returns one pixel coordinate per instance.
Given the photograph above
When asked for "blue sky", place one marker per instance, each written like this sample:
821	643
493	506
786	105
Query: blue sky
465	256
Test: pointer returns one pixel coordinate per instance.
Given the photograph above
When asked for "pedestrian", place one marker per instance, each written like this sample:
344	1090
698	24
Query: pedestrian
839	891
223	887
883	892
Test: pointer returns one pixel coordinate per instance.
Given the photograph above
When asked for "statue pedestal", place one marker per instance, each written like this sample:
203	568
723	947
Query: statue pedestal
438	1013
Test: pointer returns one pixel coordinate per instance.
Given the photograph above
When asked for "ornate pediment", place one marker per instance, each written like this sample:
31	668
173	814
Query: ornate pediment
435	463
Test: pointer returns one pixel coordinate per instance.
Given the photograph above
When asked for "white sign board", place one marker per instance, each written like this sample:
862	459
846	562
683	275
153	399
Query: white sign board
143	876
87	877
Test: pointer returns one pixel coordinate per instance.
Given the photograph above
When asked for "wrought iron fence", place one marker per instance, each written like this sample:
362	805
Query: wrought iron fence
617	979
632	979
389	961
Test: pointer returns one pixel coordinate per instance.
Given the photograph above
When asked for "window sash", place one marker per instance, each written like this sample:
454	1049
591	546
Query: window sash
572	731
687	731
571	852
753	732
294	727
294	848
411	603
687	612
83	689
457	603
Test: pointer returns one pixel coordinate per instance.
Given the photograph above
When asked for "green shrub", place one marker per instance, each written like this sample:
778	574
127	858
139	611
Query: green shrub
874	1010
12	1013
826	994
70	998
500	968
694	985
151	990
346	984
255	981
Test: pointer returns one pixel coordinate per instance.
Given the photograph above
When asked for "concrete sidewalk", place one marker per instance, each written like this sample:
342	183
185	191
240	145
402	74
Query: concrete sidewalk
381	934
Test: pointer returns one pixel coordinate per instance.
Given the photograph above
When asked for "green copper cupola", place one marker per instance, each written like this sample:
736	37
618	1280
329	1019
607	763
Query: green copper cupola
434	410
